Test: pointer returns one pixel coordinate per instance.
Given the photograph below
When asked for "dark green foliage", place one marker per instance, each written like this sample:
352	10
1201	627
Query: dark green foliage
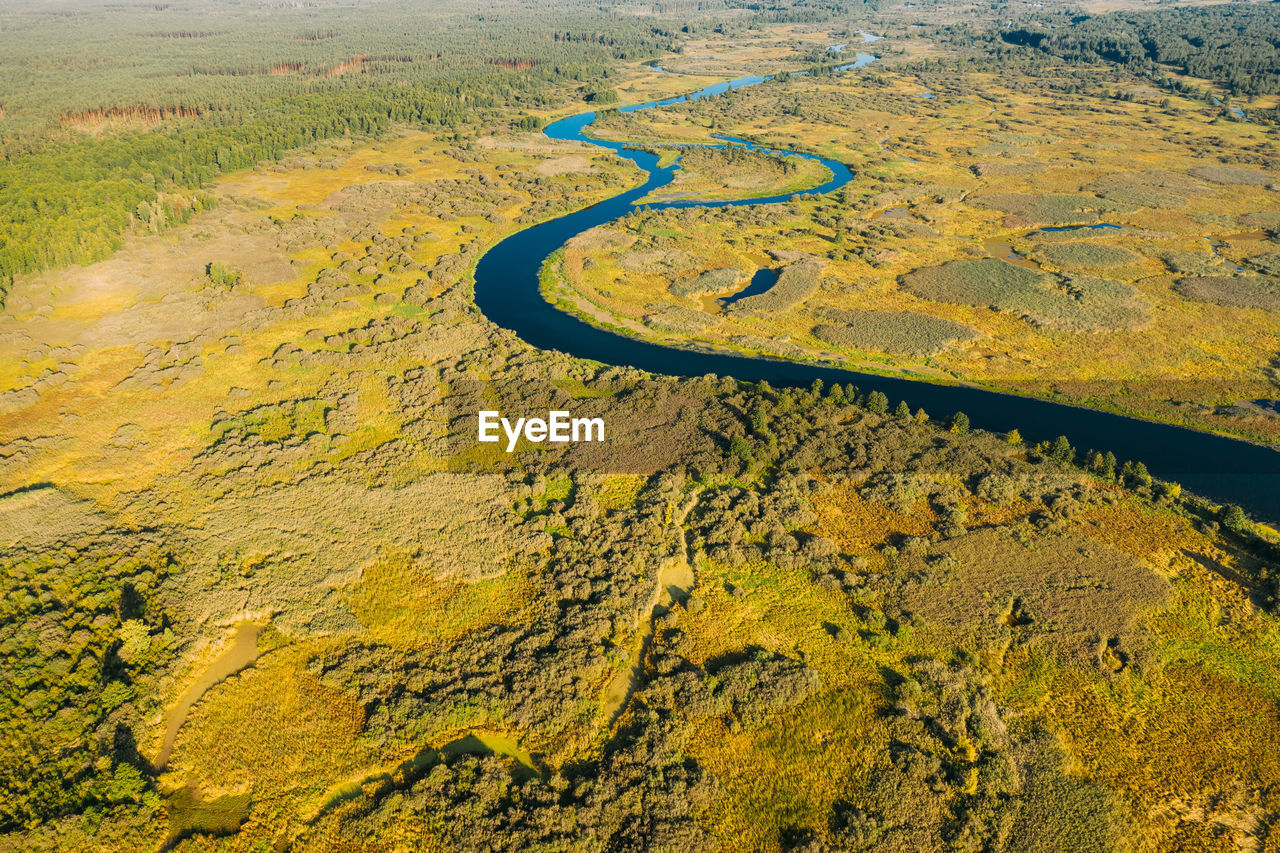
958	423
192	108
82	637
1234	43
1061	451
1233	518
600	96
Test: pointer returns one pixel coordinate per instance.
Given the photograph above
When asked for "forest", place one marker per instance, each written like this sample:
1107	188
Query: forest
1231	44
95	143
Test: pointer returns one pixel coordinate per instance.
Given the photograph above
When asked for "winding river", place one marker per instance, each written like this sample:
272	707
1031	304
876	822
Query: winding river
506	289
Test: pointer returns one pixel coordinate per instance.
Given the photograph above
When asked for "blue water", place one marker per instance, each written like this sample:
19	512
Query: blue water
1093	227
760	283
506	291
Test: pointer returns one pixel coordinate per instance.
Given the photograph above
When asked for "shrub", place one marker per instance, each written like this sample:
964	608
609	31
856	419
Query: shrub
710	281
891	331
1088	255
1244	291
1233	519
796	283
222	275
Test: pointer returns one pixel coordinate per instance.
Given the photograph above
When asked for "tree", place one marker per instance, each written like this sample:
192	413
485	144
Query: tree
760	420
1062	451
903	412
1013	438
877	402
1109	465
958	423
1233	518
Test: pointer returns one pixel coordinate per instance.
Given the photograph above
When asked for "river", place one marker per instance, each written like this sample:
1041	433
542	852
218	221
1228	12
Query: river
506	289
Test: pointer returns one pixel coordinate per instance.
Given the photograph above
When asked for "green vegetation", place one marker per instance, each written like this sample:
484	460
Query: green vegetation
891	331
1078	302
85	637
796	282
1233	43
263	590
203	103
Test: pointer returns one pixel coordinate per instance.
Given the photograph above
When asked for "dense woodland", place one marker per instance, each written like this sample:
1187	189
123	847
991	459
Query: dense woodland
113	115
1234	44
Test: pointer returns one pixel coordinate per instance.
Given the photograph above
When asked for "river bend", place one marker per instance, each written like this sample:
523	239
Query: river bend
507	293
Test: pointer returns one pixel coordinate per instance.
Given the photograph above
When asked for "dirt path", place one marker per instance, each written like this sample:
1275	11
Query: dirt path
675	581
242	653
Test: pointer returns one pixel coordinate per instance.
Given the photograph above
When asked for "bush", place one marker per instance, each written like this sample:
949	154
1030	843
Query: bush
796	283
1088	255
1245	291
891	331
1233	519
222	275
